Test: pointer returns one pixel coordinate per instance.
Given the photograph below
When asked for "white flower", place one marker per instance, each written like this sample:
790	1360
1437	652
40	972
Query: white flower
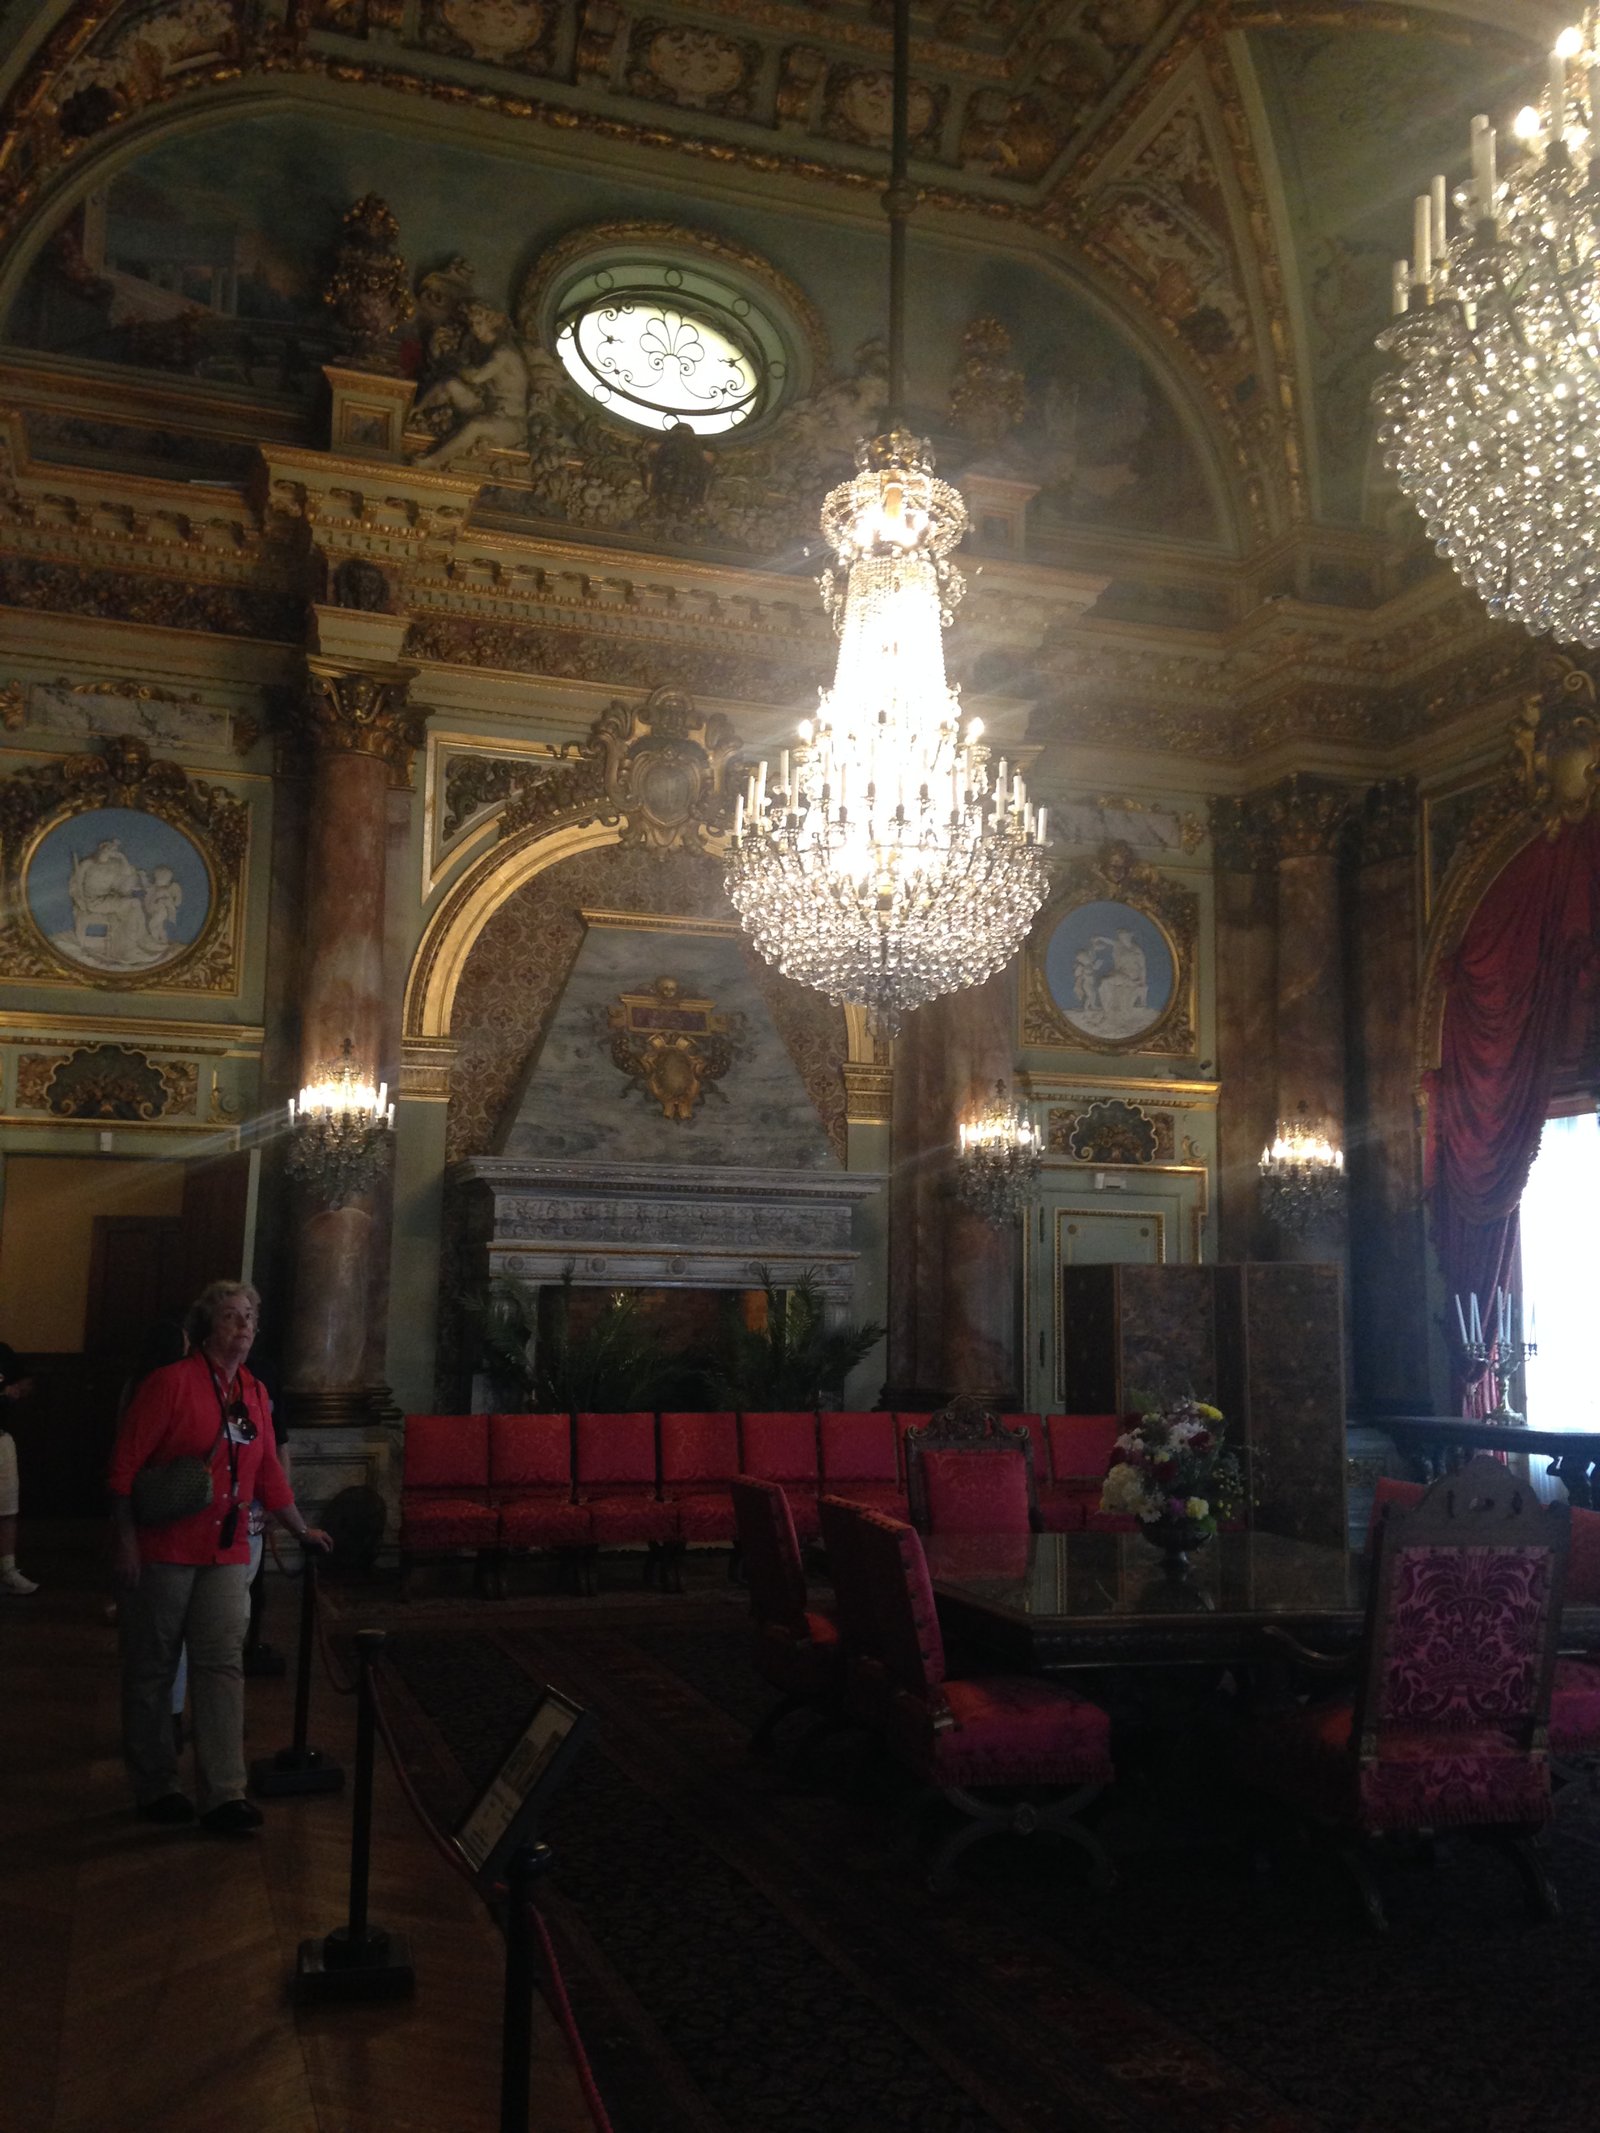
1125	1492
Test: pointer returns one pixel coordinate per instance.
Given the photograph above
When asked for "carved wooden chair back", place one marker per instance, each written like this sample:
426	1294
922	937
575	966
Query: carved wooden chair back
950	1492
1463	1616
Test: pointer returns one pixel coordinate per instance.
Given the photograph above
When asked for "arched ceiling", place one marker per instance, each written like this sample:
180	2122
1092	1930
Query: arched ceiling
1183	212
1229	175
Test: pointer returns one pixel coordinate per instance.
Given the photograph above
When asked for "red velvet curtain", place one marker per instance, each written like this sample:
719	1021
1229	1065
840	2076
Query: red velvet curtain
1519	1013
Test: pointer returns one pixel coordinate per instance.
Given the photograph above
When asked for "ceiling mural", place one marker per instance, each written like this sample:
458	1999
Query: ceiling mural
1360	121
194	261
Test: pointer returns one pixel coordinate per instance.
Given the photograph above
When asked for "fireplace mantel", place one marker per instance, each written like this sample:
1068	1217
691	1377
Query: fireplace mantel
657	1225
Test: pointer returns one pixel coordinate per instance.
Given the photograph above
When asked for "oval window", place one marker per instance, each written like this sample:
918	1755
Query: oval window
659	359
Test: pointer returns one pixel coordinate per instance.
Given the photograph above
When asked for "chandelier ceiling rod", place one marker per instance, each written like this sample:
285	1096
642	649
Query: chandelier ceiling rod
898	203
894	857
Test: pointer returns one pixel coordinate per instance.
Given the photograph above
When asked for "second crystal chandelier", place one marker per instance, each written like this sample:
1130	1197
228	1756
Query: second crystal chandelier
891	859
1491	420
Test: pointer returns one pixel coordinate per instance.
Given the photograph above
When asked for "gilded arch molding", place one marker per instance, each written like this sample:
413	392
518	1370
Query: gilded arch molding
1551	781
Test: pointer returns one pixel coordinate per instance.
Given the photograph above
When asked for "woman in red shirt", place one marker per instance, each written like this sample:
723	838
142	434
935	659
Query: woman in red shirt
186	1582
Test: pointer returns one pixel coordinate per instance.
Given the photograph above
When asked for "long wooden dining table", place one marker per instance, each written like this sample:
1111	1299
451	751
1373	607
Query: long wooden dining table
1054	1602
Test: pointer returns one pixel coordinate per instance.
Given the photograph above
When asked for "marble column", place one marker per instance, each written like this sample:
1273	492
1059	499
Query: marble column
1307	819
1247	1039
1388	1239
980	1306
362	734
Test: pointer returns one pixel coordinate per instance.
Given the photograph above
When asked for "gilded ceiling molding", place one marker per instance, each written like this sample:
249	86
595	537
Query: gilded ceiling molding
1266	453
1383	20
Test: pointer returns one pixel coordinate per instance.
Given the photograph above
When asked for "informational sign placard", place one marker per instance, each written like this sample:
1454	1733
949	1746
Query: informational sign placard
508	1813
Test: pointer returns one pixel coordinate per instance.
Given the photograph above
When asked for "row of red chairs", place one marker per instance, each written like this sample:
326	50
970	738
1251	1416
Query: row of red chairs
559	1483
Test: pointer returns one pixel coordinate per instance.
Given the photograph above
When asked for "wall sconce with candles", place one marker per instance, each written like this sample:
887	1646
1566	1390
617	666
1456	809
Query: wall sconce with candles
998	1159
340	1128
1302	1176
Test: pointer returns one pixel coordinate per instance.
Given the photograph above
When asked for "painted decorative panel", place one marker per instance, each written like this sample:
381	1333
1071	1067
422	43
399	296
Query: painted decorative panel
1110	966
120	870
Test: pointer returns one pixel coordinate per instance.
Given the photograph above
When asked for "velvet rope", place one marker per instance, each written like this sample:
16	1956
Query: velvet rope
1519	1008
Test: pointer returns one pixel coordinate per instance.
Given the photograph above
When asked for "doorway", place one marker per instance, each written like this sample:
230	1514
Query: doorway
94	1251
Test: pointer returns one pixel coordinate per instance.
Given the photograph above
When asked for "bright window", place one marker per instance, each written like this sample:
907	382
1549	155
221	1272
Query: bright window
659	361
1558	1261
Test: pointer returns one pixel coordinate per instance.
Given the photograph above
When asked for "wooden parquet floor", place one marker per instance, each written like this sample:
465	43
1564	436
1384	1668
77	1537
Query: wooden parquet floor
143	1973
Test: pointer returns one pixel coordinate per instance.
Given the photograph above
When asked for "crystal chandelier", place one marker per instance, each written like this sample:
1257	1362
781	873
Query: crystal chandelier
892	859
1491	419
1302	1176
339	1130
999	1159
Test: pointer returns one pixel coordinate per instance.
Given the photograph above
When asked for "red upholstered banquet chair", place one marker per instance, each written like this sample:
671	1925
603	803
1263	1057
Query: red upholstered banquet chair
444	1490
1448	1724
795	1647
1080	1452
990	1746
530	1473
1388	1492
783	1448
699	1458
615	1470
967	1473
861	1460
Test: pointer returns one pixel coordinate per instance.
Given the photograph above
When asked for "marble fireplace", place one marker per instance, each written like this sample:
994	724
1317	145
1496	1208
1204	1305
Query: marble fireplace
644	1225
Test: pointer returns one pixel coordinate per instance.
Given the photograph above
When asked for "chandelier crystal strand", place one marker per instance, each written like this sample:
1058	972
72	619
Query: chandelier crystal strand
1491	418
998	1160
893	859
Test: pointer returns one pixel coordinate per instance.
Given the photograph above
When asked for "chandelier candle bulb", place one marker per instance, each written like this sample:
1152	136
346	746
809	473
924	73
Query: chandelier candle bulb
1422	239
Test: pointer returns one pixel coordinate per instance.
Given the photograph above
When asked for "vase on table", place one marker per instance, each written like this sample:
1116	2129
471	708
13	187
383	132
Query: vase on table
1174	1538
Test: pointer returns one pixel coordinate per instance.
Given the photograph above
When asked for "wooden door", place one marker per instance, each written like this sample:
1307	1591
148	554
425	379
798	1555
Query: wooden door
136	1276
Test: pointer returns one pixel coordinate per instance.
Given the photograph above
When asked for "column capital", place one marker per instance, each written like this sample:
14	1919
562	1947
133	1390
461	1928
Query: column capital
1301	818
1387	827
1306	817
360	707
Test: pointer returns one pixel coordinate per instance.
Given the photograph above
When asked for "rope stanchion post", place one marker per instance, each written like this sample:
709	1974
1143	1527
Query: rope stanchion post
358	1960
528	1863
299	1769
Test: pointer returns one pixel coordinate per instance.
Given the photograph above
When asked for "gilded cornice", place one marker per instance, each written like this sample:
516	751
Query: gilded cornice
129	548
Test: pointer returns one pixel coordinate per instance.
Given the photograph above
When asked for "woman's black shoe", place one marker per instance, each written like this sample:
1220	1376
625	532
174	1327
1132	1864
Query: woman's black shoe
234	1818
172	1808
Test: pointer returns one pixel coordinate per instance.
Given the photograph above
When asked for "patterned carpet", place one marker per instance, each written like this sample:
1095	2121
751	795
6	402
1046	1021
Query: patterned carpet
744	1959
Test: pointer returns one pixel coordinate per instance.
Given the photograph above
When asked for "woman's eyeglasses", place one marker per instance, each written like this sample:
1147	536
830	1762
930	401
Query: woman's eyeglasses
240	1426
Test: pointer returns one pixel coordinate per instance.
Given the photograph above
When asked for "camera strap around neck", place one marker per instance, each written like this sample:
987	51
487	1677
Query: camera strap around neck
225	1432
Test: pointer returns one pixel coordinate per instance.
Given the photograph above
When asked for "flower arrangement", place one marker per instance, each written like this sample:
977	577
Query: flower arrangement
1173	1467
